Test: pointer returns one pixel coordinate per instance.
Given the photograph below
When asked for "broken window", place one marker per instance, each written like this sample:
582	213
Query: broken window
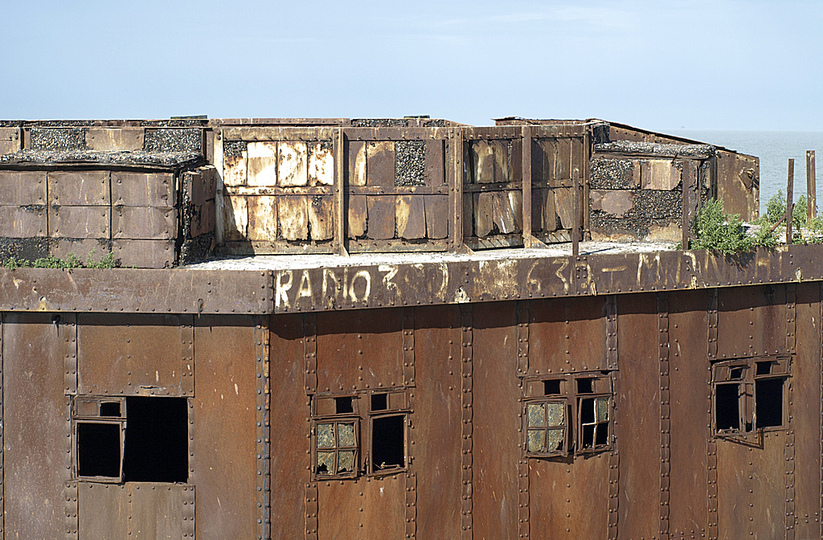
568	414
130	439
337	425
749	395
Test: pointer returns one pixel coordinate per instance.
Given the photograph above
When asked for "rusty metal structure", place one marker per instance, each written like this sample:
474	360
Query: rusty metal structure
397	328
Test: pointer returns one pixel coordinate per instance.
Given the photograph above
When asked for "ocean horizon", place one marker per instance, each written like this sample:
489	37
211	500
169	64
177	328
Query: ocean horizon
774	148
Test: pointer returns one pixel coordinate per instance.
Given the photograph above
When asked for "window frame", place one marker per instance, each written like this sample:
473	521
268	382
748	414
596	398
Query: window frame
85	410
723	374
337	448
598	384
363	414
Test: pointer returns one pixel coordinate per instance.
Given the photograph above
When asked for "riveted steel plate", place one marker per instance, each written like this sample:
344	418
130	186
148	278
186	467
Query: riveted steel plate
143	189
79	188
20	188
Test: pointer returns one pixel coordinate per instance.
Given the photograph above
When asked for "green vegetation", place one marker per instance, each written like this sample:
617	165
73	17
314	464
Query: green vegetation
804	231
719	231
71	261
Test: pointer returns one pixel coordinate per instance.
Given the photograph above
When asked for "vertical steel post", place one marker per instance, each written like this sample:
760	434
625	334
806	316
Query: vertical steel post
339	193
686	217
576	211
456	191
789	203
527	186
811	186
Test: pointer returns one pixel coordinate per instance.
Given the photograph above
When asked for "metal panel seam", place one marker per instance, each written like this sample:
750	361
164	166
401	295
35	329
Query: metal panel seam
614	455
791	317
70	504
311	511
466	426
70	360
188	512
712	326
788	455
261	340
611	332
665	417
310	352
523	317
408	346
711	445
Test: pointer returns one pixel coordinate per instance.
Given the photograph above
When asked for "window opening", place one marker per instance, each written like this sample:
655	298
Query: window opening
337	422
379	402
98	447
336	448
551	387
769	397
388	442
749	394
584	386
156	448
149	444
567	415
110	408
343	405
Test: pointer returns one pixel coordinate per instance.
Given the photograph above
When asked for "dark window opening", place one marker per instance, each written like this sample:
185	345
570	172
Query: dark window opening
727	407
388	442
585	386
98	449
343	405
737	373
379	402
156	448
110	408
602	435
551	387
588	436
587	411
764	368
769	408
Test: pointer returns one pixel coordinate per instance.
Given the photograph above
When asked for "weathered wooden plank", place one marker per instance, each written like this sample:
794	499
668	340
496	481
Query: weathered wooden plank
483	213
292	163
262	163
437	216
483	161
380	163
435	168
357	163
294	218
321	217
321	164
357	216
262	224
235	218
381	217
410	216
564	206
502	171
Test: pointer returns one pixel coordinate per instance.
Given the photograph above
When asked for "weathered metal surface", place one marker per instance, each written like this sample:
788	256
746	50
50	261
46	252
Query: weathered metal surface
345	345
567	336
495	418
115	139
37	457
438	357
690	398
805	413
739	188
639	398
130	253
752	321
143	189
21	188
23	221
290	456
225	417
79	221
121	354
128	290
81	188
144	223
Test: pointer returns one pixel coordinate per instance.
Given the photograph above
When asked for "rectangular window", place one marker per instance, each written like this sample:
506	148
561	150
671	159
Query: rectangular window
568	414
374	421
130	439
748	394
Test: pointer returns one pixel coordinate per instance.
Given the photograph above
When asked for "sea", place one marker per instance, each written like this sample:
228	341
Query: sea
774	148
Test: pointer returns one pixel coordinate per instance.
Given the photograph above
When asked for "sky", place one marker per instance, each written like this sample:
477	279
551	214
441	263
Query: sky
660	65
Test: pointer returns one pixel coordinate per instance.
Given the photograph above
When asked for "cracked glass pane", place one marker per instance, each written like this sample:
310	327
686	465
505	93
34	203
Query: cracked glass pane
325	435
602	408
345	434
555	440
536	414
325	462
346	461
537	438
556	413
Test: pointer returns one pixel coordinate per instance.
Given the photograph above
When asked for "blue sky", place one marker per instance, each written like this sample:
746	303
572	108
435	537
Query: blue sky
722	64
